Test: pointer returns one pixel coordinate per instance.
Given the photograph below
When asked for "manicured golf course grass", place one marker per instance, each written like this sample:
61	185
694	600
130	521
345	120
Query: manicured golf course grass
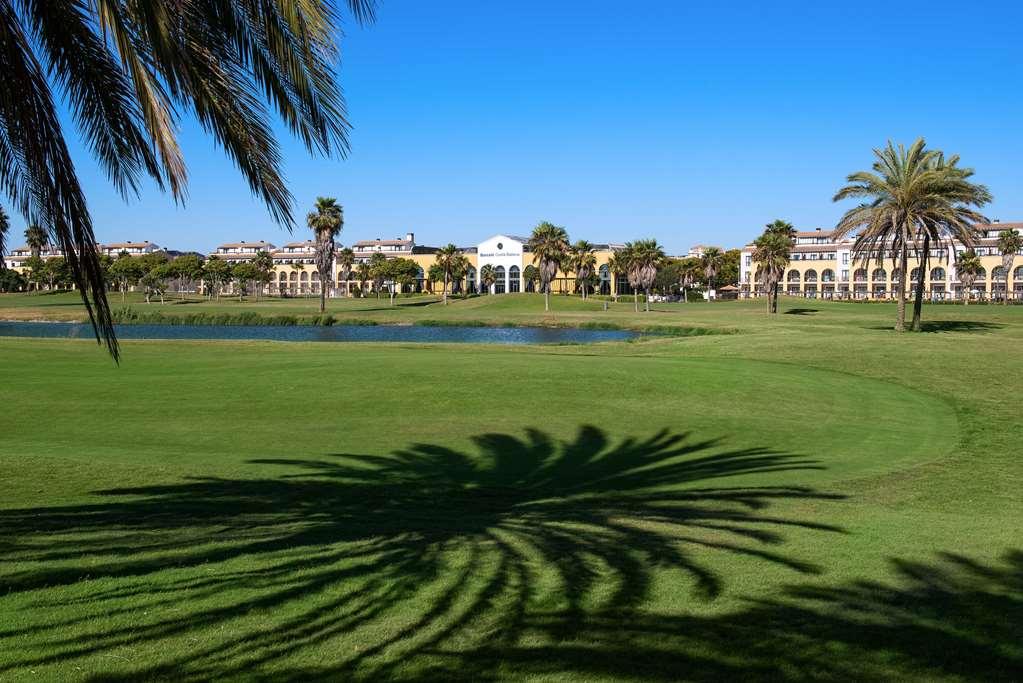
808	496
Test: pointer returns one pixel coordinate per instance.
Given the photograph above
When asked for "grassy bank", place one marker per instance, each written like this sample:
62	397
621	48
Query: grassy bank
813	497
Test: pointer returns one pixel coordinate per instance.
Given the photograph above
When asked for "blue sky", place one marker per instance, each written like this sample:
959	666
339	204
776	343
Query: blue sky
685	121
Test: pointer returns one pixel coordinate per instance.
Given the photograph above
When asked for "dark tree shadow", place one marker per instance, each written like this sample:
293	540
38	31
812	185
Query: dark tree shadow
949	326
800	311
442	561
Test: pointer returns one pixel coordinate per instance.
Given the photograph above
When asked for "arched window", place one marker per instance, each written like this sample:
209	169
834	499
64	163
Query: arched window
470	280
1017	274
879	275
605	279
304	277
499	280
283	277
998	274
622	285
810	276
828	275
981	274
294	276
793	276
937	274
513	279
896	275
914	275
860	275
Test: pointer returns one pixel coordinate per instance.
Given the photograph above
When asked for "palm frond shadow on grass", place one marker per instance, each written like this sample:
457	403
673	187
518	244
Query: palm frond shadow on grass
529	538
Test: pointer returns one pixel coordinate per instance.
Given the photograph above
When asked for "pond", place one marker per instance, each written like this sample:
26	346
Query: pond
335	333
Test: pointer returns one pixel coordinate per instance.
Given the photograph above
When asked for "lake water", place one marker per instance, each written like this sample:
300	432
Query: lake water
335	333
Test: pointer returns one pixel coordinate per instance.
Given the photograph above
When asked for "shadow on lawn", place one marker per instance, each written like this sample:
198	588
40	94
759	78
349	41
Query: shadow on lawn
949	326
800	311
530	557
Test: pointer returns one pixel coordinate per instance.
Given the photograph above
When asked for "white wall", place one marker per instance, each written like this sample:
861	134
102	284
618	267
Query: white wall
500	250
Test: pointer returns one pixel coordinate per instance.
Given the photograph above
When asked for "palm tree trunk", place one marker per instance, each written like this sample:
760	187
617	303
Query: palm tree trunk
323	297
445	288
918	298
646	293
547	297
635	299
900	322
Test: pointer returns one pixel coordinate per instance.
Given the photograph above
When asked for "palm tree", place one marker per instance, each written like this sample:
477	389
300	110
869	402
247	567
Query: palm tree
128	71
688	272
37	239
909	190
450	260
325	220
530	275
772	251
345	261
620	263
968	267
1009	243
264	264
582	261
363	272
5	227
549	244
646	257
487	277
712	260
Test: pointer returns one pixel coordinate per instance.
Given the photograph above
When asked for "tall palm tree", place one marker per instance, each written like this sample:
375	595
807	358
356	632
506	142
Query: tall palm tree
37	239
968	267
264	264
646	257
582	261
909	190
620	263
1009	243
487	277
712	260
772	252
345	261
549	244
128	71
363	271
688	273
450	260
325	220
5	227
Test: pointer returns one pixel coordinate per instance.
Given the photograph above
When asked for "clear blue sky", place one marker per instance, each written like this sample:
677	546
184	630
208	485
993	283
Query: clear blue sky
685	121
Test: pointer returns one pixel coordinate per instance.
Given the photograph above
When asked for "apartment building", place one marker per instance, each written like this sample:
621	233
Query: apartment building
822	266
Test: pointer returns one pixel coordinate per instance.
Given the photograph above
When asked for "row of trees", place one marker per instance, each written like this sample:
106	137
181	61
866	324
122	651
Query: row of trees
641	262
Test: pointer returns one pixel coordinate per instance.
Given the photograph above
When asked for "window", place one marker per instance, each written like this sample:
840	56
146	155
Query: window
845	258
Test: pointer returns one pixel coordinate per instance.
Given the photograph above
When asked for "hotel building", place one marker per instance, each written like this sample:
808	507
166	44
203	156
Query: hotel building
823	267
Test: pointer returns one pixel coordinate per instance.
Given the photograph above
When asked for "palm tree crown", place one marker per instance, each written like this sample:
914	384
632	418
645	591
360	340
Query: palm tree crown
36	238
128	71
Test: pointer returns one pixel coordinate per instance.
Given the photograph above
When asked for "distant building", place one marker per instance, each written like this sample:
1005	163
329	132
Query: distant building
115	249
825	267
237	252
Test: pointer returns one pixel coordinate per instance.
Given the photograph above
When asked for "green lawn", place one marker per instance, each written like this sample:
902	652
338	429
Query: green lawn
812	497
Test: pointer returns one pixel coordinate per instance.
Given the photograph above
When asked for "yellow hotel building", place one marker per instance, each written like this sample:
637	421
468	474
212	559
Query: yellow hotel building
822	267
